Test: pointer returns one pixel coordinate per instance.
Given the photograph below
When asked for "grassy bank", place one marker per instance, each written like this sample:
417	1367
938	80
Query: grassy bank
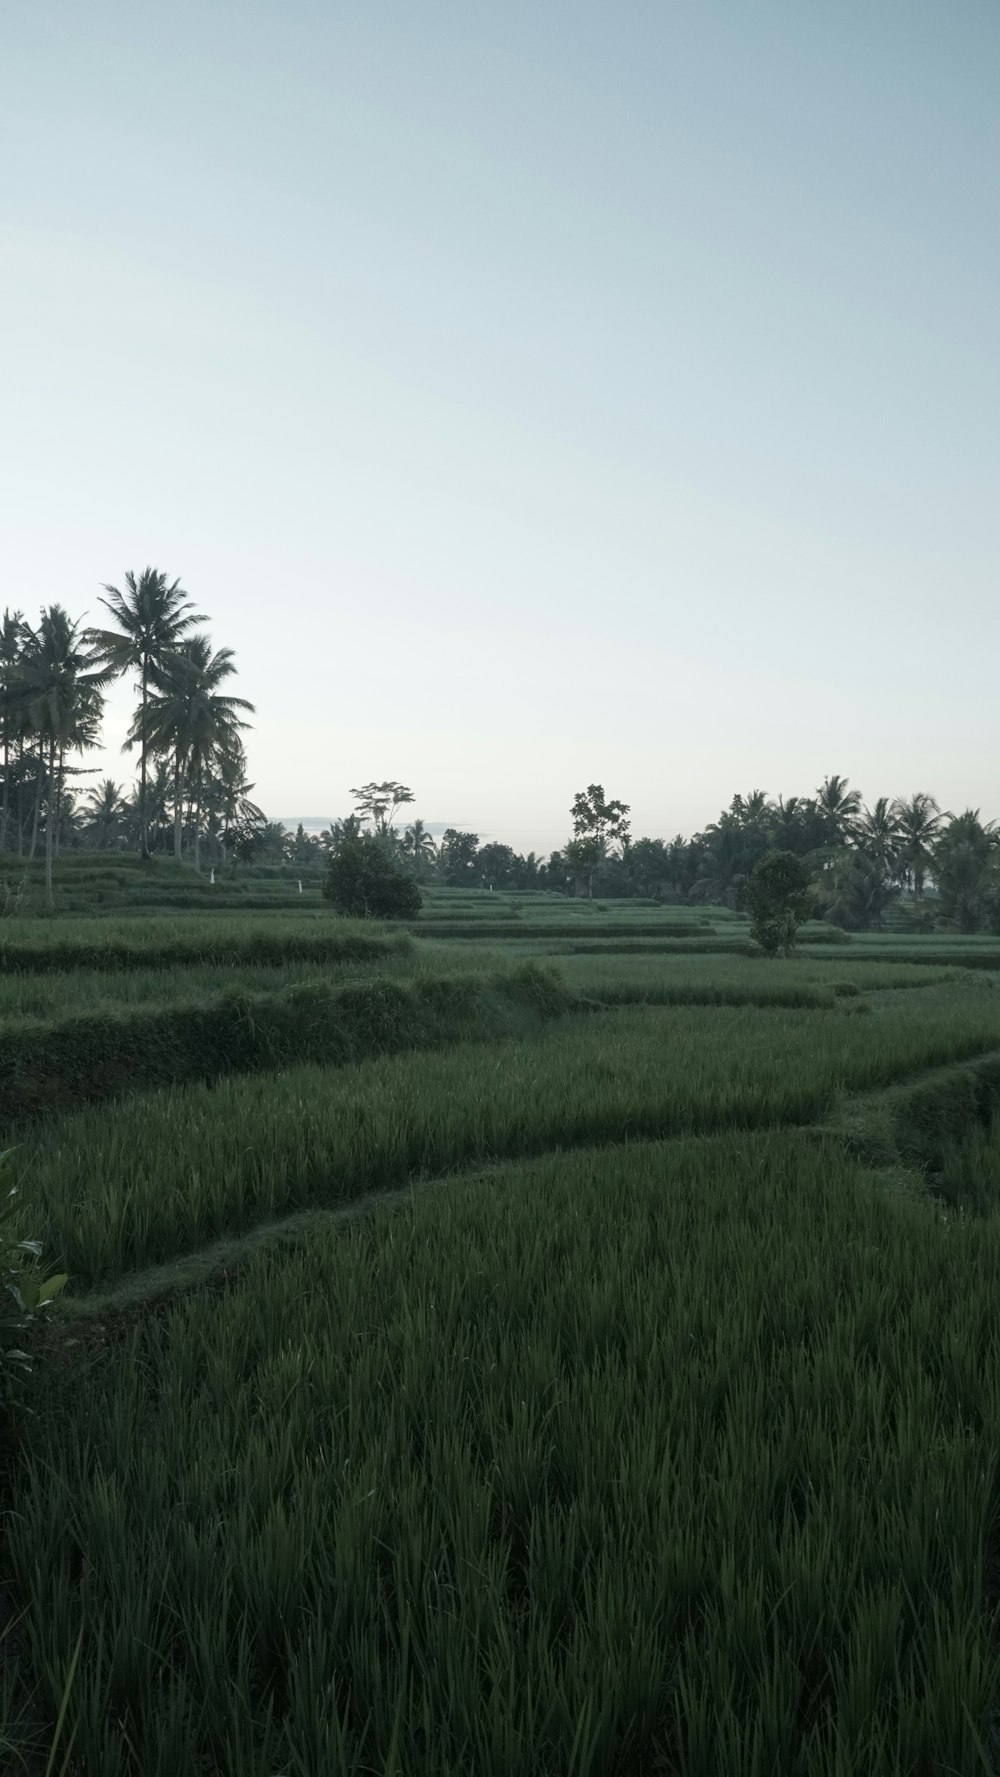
567	1467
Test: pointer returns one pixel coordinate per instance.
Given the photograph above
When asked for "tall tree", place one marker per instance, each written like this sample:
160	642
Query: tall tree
418	845
188	717
63	682
877	835
964	859
105	815
919	823
598	824
152	621
378	803
13	635
840	806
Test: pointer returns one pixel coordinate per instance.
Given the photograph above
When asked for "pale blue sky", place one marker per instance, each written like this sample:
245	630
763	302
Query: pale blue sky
532	393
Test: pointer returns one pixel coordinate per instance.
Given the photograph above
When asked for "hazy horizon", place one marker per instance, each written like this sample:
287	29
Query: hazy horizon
532	397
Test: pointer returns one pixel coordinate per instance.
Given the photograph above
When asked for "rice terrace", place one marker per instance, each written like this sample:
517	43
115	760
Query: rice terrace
543	1335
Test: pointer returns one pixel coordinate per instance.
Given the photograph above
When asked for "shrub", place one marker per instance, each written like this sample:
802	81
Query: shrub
780	895
363	882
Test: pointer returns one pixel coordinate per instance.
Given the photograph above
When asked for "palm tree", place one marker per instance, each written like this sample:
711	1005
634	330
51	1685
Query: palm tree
351	826
188	717
227	795
417	844
153	620
106	814
878	835
62	689
13	634
963	857
840	806
863	890
751	810
918	822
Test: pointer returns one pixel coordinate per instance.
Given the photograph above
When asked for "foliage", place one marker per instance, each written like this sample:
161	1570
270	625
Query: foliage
363	882
151	621
457	857
863	890
102	1053
24	1291
203	1161
467	1476
378	803
780	896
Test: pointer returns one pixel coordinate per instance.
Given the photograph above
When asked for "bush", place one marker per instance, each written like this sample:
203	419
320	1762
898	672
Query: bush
780	894
363	882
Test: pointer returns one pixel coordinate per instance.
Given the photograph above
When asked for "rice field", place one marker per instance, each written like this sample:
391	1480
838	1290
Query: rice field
571	1395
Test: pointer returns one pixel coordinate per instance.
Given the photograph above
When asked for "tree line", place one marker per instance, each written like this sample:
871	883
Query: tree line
187	728
193	794
861	860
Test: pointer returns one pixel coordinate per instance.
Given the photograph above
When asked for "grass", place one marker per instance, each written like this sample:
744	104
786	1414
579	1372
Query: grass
567	1467
659	1435
46	1066
167	944
130	1184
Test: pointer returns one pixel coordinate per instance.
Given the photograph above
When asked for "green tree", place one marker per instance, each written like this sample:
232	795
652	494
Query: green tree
918	823
152	621
333	836
418	847
62	681
378	803
13	636
877	835
457	857
598	825
780	895
362	882
496	864
839	806
189	718
106	815
964	860
863	889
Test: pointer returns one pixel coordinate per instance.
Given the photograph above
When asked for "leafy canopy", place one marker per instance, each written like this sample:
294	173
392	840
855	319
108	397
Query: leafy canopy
362	882
780	894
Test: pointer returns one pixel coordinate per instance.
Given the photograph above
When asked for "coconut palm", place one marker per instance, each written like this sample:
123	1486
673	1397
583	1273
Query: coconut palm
226	794
751	810
62	683
350	826
105	814
964	857
862	891
918	823
877	835
153	620
188	717
417	844
13	635
839	805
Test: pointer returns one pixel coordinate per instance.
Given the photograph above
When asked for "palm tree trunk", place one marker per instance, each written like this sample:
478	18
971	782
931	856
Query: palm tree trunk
6	790
178	807
50	820
143	826
197	825
38	801
59	787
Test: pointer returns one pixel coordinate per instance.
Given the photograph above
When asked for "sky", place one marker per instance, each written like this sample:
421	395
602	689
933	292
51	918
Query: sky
533	394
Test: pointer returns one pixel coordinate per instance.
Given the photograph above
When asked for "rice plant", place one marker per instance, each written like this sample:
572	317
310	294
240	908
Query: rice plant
673	1458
